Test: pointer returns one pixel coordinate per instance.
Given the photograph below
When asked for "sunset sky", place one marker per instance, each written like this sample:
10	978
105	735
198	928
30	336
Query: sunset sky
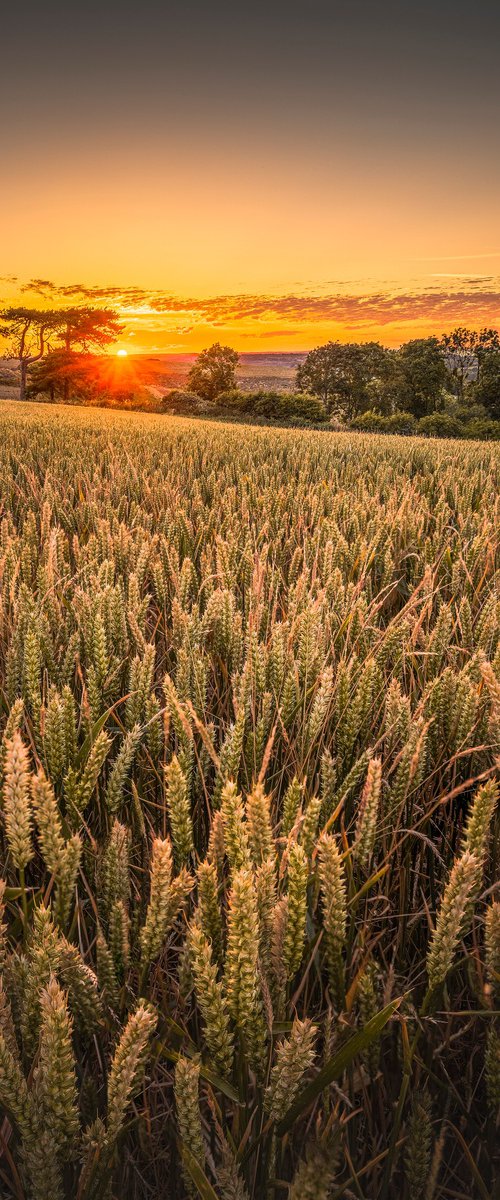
251	174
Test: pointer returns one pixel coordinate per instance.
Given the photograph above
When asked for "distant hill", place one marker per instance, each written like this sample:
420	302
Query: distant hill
274	370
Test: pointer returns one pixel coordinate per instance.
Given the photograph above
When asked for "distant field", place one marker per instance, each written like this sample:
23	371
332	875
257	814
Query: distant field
249	832
255	371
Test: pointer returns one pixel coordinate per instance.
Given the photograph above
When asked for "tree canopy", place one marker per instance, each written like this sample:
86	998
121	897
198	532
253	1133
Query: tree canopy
424	375
214	371
88	329
32	333
28	332
464	349
350	378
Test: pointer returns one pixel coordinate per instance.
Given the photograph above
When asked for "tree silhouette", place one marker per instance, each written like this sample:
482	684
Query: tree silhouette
85	330
29	332
32	332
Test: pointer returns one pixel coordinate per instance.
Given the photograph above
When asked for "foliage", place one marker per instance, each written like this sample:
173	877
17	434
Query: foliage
440	424
424	375
487	388
87	329
465	350
351	378
182	402
276	406
28	332
465	421
375	422
78	377
35	333
214	371
63	376
482	429
249	736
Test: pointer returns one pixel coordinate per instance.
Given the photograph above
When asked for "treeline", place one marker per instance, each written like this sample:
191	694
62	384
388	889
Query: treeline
447	386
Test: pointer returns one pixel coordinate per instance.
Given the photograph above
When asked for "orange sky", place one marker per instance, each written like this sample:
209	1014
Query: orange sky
255	256
265	178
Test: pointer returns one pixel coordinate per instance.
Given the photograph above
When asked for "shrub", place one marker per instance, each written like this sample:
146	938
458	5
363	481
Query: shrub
235	400
285	406
291	408
440	424
375	422
8	378
304	406
182	402
401	422
483	429
369	422
468	412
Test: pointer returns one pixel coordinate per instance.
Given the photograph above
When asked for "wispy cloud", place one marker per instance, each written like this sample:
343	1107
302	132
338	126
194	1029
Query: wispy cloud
459	257
463	299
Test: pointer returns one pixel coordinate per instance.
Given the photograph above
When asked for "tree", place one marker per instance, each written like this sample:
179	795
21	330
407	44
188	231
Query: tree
214	371
28	330
464	350
60	373
350	378
424	375
32	333
89	378
86	330
487	388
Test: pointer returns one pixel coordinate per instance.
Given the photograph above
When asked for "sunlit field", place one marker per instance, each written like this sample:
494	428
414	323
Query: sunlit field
250	838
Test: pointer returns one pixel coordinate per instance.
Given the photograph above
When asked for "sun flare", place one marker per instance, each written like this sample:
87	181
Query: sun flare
121	353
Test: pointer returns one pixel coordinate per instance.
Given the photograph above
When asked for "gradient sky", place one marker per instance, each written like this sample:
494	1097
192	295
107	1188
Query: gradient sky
253	174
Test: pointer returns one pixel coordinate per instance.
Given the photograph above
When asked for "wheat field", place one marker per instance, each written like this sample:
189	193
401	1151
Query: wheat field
250	833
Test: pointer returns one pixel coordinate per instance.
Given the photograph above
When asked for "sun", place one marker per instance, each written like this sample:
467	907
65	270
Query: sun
122	353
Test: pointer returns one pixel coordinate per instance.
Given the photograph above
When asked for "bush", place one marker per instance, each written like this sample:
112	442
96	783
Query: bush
8	378
468	412
483	429
305	406
440	424
401	422
375	422
289	407
182	402
235	400
369	422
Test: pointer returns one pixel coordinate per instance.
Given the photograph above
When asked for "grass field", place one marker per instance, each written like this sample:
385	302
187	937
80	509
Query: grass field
250	728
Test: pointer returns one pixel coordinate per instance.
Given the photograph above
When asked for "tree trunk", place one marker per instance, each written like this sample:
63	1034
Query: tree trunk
23	367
